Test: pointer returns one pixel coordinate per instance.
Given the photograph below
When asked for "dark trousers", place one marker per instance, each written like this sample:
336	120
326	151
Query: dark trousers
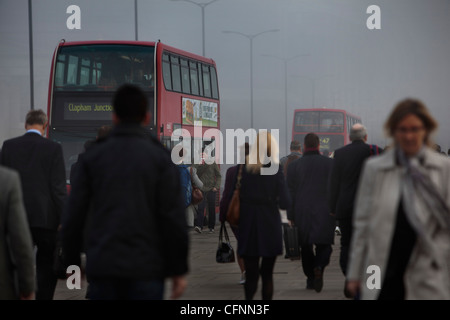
125	289
209	202
252	272
45	242
319	258
345	226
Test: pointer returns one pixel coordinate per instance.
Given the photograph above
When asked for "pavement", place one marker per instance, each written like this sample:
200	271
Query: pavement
209	280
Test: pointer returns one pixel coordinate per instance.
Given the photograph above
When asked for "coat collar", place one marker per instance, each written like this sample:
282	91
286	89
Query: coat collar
128	129
431	159
310	153
358	142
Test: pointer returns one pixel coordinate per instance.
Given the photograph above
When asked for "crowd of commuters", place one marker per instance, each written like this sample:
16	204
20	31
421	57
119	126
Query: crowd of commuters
125	209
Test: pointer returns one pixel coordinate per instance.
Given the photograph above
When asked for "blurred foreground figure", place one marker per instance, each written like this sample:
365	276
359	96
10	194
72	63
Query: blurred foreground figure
17	274
401	242
40	164
137	233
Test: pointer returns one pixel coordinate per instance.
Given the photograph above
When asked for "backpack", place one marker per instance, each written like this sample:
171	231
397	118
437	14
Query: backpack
186	184
374	150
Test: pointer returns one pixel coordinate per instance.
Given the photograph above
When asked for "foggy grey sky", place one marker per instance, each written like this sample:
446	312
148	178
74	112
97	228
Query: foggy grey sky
363	71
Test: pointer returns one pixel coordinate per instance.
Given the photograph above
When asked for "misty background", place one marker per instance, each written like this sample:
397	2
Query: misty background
333	60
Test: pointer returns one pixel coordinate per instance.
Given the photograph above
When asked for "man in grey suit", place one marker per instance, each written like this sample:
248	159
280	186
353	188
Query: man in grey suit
17	275
40	164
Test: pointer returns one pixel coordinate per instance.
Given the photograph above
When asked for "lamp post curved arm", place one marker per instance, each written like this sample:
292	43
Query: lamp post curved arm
202	6
251	37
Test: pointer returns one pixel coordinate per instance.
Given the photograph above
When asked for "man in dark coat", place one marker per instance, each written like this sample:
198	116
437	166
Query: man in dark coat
137	233
344	178
40	164
307	181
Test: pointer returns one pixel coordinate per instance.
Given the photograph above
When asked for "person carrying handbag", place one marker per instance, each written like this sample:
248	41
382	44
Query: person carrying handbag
261	196
230	184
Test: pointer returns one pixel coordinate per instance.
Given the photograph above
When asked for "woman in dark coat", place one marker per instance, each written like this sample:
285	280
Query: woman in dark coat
263	193
228	190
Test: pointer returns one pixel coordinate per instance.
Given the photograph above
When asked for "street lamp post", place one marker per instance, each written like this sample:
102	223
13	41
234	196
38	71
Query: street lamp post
202	6
285	61
251	37
313	84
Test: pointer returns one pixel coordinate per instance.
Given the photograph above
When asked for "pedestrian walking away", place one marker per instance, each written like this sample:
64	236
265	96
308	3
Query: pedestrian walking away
307	180
137	236
261	197
230	183
40	164
344	178
292	250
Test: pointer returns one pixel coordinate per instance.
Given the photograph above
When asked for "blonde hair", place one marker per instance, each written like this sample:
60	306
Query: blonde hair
263	151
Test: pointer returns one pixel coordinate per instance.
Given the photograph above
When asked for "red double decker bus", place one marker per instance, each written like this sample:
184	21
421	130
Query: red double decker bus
181	87
331	125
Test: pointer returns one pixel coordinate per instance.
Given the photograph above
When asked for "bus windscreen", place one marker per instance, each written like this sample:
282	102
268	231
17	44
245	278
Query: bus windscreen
319	121
103	67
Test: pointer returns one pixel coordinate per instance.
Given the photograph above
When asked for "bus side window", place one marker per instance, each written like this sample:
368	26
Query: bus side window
185	78
200	78
194	77
214	84
176	77
166	72
206	81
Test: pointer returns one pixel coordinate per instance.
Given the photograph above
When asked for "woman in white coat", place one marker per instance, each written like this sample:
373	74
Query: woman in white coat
401	243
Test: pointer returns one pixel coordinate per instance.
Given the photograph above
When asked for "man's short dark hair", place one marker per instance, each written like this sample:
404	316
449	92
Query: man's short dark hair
36	117
130	104
311	140
295	145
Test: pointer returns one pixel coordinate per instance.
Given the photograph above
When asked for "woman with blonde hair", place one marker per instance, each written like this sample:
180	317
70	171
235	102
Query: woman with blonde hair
263	193
401	243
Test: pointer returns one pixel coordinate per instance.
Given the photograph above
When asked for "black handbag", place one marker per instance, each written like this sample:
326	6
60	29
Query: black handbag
225	252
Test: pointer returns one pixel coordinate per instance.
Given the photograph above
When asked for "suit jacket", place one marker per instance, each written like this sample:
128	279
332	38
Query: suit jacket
427	275
344	178
40	164
137	226
307	181
16	248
